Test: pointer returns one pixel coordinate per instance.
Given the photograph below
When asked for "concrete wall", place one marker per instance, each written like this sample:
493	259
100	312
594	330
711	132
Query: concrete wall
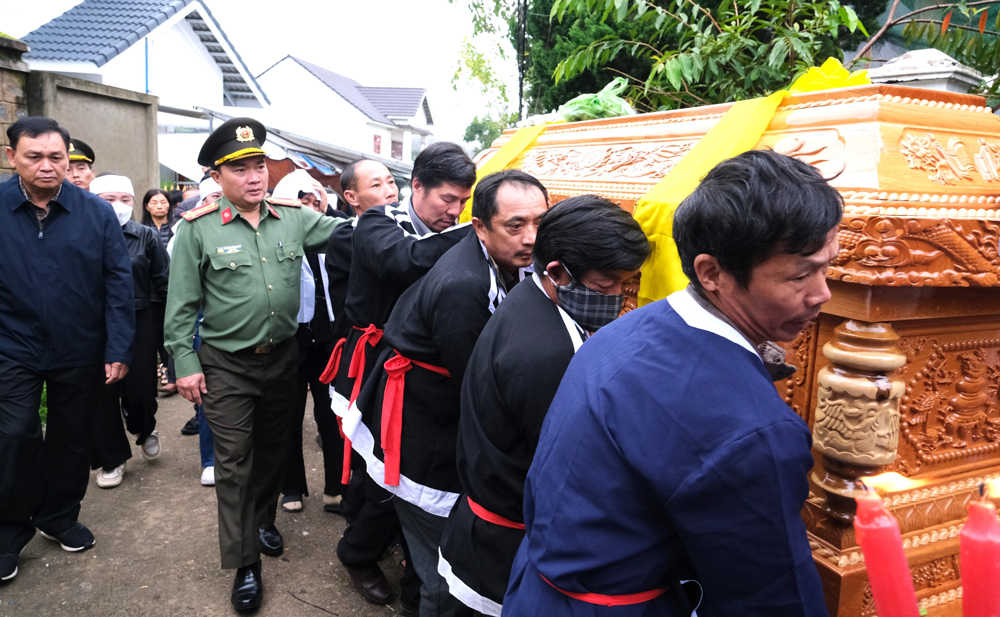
13	101
120	125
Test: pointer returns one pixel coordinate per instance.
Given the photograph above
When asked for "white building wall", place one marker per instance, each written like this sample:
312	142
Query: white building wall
181	71
303	104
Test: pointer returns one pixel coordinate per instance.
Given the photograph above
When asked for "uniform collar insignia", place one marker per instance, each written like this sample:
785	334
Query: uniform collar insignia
273	212
227	215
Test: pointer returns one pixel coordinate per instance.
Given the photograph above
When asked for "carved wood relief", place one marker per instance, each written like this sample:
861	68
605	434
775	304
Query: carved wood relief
885	250
950	410
953	163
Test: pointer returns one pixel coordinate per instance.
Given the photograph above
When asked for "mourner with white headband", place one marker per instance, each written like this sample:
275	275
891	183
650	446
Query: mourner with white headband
209	192
135	395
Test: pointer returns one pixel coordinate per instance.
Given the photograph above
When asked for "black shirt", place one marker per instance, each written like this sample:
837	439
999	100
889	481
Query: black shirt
150	269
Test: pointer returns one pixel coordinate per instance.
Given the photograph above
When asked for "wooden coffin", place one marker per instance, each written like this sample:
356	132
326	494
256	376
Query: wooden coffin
919	171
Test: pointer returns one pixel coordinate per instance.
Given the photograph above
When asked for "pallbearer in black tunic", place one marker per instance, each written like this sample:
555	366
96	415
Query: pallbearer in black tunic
392	247
511	378
405	423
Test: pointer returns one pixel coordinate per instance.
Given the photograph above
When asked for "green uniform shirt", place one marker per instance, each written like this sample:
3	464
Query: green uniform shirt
246	279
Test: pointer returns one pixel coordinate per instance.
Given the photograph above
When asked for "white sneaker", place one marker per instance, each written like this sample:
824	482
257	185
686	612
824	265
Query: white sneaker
111	479
151	447
208	476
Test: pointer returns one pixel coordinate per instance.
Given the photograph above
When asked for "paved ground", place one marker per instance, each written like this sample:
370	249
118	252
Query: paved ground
157	551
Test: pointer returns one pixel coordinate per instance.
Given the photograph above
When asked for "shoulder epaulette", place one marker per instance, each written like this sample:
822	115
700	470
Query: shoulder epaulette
194	213
291	203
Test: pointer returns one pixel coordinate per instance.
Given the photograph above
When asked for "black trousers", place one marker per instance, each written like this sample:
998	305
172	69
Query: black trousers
373	531
135	396
312	361
159	312
43	481
250	406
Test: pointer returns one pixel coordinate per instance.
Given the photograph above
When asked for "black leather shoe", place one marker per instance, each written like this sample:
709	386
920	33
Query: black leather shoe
248	588
371	584
191	427
271	543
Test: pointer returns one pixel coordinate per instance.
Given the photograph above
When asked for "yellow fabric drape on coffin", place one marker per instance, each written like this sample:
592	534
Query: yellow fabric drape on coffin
736	132
519	142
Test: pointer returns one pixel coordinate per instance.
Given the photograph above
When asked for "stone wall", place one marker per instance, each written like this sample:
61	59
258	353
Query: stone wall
13	102
120	125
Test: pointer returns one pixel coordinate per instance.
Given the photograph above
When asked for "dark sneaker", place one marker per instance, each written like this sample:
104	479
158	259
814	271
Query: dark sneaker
76	538
191	426
8	567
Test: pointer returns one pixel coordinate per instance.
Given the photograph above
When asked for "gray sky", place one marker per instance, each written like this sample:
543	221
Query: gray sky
413	43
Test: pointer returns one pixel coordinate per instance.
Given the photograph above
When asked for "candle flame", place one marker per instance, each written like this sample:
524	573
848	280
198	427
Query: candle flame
892	482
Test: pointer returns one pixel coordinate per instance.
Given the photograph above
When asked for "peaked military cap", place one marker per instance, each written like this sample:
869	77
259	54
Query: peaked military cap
80	151
235	139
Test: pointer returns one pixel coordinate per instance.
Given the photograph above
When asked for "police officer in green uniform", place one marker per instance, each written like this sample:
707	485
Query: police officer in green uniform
240	260
81	164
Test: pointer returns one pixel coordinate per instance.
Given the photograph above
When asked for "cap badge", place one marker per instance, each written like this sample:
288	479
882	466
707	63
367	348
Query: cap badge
71	148
244	133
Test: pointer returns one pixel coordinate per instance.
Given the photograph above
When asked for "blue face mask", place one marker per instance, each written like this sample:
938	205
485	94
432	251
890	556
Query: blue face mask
590	309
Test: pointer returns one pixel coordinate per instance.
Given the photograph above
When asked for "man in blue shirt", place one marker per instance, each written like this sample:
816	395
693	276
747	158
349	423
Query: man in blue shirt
668	463
67	320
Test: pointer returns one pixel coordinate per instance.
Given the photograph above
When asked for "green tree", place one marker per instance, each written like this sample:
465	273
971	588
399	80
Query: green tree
700	55
550	41
484	131
966	31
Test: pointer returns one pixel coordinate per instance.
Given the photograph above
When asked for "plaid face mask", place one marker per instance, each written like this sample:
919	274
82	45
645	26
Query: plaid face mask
590	309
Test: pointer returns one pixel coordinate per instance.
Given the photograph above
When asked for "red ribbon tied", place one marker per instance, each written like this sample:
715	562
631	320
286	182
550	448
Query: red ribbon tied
396	368
356	371
330	372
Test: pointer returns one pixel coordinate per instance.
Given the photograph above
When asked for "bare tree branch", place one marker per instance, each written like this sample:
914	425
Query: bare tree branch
871	42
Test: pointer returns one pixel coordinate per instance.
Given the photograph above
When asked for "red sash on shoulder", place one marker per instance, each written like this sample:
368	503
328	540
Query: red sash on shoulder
392	410
490	517
605	600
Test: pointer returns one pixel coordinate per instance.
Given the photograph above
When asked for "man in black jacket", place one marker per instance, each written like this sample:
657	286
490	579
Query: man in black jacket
411	400
67	315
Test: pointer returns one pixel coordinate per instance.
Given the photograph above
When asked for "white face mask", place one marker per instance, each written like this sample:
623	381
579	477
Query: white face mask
122	211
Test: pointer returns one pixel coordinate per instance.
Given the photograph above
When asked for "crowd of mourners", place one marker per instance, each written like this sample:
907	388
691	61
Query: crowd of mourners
480	398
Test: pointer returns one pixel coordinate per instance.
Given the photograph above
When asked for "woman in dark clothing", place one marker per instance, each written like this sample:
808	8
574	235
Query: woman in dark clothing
157	213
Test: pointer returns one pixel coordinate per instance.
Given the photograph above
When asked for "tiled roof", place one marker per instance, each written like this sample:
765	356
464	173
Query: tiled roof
98	30
347	88
395	102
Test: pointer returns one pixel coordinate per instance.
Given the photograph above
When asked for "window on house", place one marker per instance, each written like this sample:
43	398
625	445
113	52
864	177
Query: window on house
397	150
377	148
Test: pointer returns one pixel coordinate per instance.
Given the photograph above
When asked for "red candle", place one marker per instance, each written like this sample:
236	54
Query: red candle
980	547
882	545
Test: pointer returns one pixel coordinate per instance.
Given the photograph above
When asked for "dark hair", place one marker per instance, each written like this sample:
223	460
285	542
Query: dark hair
147	219
33	126
752	207
484	200
589	232
443	162
348	177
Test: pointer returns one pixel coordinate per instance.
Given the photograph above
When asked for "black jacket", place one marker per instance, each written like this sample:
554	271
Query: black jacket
149	264
66	297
